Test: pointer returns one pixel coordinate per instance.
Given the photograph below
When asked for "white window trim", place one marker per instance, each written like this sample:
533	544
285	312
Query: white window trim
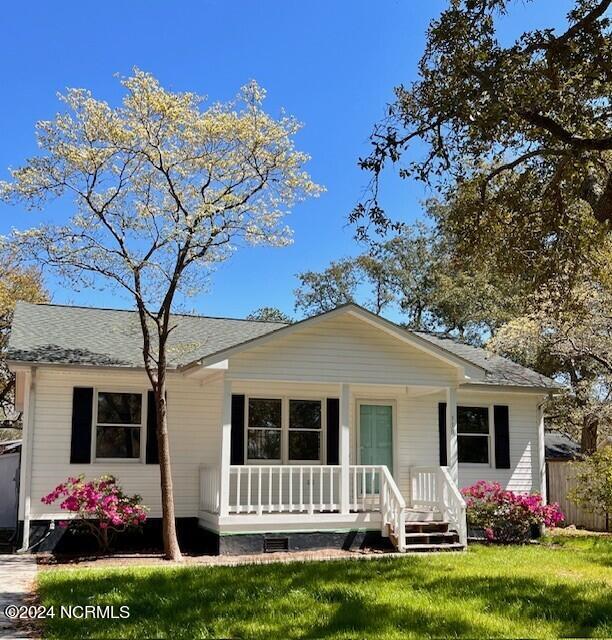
284	430
491	437
143	425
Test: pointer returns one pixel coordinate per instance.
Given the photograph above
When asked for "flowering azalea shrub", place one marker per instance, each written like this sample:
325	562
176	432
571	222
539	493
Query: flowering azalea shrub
506	516
99	507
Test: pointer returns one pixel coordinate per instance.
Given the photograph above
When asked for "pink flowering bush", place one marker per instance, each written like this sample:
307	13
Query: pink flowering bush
99	507
506	516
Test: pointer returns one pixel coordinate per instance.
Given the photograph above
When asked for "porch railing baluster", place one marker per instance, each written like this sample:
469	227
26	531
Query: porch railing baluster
301	488
280	489
259	504
249	496
311	503
270	490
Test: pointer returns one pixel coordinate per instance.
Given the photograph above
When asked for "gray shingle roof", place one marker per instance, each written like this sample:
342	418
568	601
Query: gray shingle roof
560	447
82	335
47	333
500	371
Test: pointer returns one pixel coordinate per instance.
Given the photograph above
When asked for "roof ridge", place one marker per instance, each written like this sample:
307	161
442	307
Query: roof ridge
182	315
440	335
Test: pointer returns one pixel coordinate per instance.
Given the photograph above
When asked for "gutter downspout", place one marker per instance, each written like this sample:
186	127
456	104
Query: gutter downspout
25	480
542	450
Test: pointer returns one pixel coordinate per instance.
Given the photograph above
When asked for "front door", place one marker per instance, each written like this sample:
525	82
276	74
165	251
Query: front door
376	434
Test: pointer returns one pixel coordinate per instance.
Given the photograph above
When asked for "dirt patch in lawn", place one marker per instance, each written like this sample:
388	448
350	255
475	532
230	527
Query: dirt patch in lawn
573	531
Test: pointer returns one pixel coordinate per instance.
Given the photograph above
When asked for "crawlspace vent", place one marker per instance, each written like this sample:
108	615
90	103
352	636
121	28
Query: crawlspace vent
272	545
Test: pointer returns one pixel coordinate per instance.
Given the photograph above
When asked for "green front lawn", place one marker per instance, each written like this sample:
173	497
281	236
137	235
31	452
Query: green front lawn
560	588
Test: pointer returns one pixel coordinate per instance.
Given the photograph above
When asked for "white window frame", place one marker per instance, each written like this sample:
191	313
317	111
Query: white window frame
284	430
490	436
142	426
258	461
319	431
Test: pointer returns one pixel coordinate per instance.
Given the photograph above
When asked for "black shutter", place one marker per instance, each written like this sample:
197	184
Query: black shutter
237	440
152	452
80	442
502	436
333	431
442	433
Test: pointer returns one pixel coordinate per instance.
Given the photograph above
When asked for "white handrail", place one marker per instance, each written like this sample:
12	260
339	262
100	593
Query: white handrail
434	488
454	505
392	508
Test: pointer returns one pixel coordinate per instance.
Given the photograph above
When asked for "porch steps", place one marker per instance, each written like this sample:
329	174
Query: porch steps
440	536
453	546
429	532
422	515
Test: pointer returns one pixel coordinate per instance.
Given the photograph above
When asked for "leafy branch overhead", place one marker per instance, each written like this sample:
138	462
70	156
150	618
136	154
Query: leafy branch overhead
539	108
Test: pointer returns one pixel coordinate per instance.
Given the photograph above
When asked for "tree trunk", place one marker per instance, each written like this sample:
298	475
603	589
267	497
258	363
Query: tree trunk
588	437
172	550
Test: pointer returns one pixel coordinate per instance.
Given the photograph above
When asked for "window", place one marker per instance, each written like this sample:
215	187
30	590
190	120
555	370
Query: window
118	425
264	429
304	430
473	434
283	430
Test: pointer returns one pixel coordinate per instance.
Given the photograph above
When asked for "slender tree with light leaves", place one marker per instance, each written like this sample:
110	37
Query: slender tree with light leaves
16	283
163	189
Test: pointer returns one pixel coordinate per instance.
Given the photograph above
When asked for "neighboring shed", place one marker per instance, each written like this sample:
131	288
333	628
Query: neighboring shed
10	454
559	447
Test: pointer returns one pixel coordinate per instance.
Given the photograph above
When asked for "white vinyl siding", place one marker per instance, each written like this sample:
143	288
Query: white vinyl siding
194	416
523	474
340	350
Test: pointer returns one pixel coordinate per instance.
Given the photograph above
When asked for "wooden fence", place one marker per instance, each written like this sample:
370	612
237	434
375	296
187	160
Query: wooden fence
561	476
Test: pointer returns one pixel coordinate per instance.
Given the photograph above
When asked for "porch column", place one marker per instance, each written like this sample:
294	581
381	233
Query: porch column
344	446
226	443
451	434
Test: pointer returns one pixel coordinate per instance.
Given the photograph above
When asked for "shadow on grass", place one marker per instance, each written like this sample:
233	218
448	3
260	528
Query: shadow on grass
382	598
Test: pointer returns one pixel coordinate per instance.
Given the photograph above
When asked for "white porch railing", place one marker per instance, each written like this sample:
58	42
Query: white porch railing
284	489
209	489
308	489
433	488
268	489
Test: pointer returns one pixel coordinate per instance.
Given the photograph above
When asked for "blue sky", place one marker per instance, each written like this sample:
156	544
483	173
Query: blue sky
331	63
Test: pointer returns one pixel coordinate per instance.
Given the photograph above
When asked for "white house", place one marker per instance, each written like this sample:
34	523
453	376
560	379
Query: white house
325	431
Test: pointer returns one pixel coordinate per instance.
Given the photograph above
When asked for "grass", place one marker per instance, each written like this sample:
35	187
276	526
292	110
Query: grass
559	588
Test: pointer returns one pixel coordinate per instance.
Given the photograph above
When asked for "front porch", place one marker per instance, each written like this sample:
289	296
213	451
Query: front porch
308	498
280	495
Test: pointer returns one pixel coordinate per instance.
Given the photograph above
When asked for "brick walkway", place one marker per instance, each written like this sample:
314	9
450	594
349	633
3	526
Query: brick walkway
17	575
119	560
